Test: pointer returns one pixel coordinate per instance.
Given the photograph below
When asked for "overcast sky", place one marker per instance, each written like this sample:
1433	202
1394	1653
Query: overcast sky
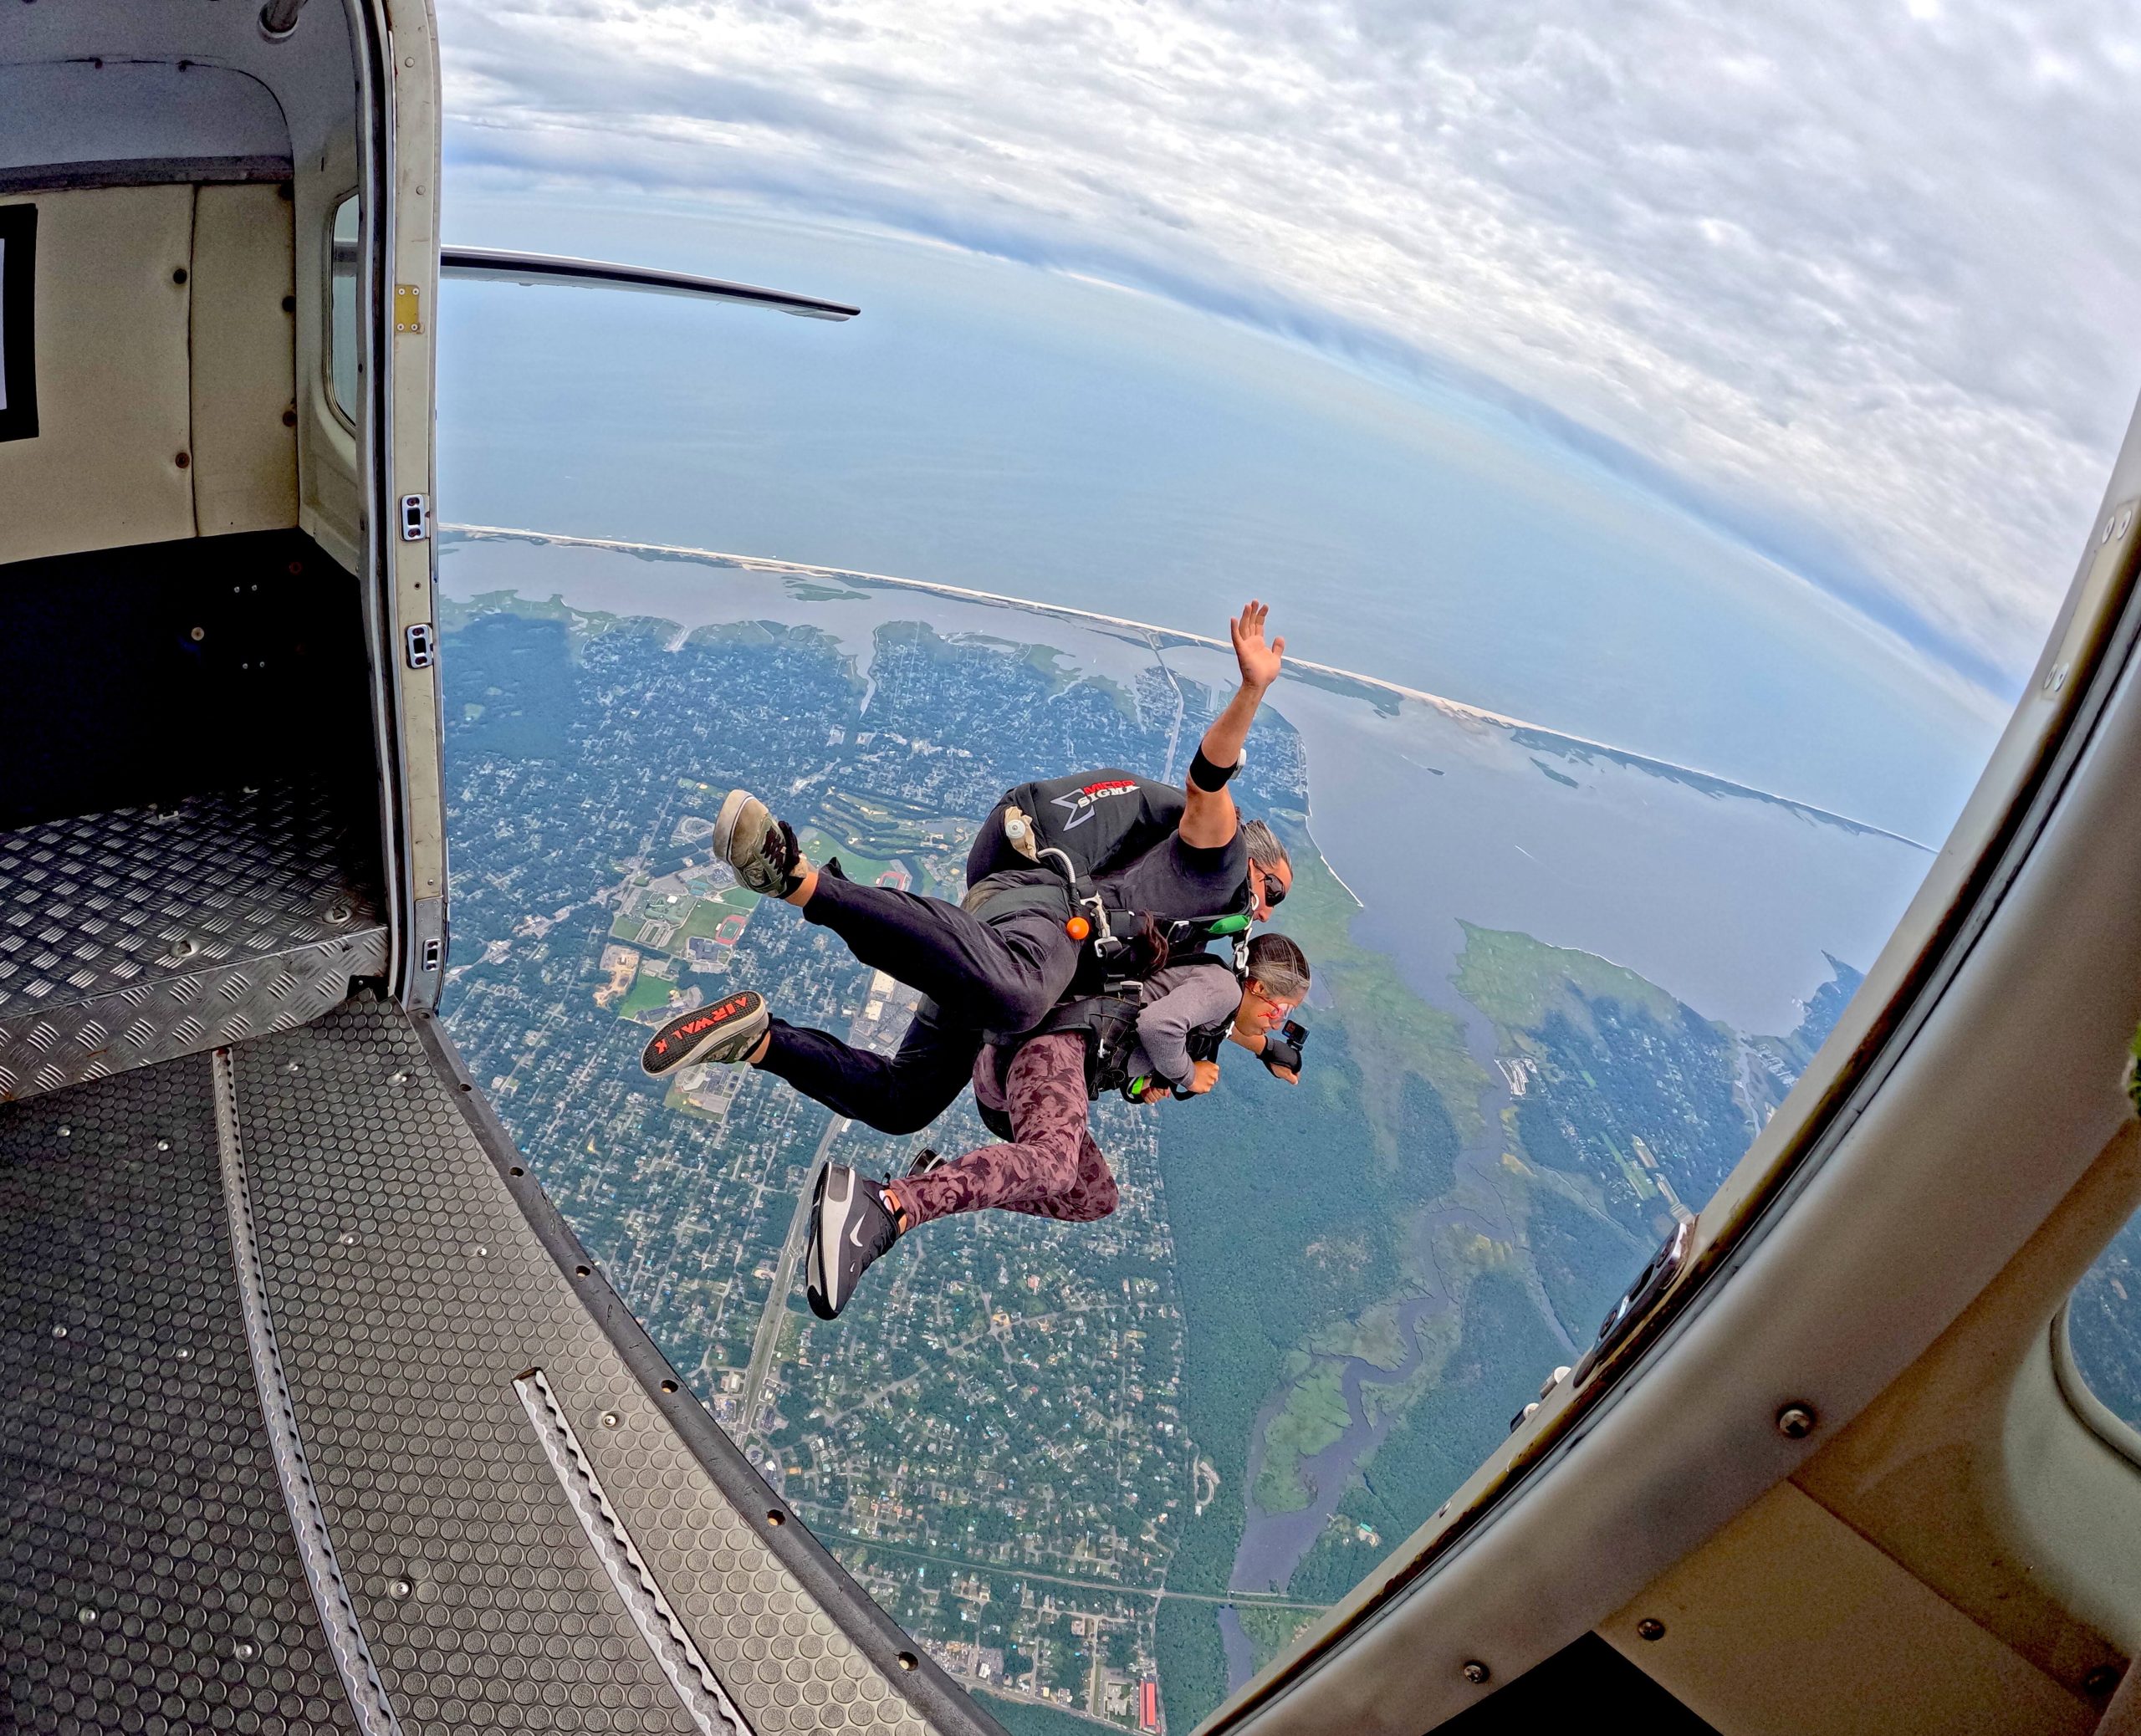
1858	279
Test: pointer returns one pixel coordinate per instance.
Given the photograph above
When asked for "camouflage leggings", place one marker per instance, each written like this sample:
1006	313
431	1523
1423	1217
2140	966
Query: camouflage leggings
1054	1169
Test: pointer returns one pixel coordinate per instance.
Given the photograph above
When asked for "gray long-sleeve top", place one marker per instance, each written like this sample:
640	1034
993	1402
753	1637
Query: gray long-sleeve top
1177	1000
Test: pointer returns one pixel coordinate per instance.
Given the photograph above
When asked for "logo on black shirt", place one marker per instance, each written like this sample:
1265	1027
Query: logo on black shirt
1079	803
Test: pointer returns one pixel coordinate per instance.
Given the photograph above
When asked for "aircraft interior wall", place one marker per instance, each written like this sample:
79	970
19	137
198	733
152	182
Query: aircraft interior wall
194	804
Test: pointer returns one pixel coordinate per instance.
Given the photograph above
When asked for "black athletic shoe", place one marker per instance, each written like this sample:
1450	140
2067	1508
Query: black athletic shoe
727	1031
849	1227
925	1161
761	850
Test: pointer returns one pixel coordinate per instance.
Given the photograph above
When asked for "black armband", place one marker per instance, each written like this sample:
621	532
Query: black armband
1209	778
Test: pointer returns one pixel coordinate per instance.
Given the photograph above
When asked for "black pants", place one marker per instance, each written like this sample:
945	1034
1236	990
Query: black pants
998	976
903	1092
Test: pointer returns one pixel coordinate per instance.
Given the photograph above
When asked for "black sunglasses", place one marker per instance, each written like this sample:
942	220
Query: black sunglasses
1274	894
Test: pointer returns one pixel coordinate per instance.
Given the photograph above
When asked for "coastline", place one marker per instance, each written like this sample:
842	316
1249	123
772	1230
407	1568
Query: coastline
1160	636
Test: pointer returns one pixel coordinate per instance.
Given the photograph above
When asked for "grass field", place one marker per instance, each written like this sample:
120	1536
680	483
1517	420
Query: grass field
647	994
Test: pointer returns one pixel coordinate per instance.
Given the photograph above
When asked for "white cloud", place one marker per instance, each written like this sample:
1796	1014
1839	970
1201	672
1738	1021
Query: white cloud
1861	277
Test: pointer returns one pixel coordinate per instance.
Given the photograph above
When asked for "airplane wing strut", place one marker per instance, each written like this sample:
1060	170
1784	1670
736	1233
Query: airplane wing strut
498	266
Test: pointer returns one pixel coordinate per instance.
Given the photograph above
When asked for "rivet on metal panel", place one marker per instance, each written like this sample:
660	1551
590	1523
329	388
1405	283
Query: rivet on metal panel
186	1356
339	912
481	1252
1650	1628
58	1331
1475	1672
86	1616
163	1144
400	1588
348	1238
2054	678
1795	1422
244	1651
610	1419
66	1132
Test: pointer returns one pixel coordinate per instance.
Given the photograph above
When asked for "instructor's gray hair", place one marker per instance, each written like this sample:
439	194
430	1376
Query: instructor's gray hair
1264	849
1278	966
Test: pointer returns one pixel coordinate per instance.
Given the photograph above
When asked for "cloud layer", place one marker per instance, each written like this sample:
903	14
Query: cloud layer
1861	281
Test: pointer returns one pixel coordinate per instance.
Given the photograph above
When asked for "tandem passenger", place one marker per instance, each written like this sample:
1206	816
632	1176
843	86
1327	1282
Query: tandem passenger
1034	1090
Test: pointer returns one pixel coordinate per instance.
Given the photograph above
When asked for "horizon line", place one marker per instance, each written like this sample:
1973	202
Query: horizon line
1455	708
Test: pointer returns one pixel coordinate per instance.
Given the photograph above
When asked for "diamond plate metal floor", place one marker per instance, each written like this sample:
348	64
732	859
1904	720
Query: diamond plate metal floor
148	1578
131	937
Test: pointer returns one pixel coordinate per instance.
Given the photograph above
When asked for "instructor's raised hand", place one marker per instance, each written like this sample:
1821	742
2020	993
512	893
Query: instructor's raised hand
1259	662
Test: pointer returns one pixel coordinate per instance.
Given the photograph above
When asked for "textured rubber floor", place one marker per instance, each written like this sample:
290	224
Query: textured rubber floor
518	1534
409	1296
148	1577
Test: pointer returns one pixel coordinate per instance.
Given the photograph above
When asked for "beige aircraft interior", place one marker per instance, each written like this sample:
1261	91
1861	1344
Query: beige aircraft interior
317	1416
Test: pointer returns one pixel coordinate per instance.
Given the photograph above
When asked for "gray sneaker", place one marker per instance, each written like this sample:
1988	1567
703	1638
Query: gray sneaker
851	1228
761	850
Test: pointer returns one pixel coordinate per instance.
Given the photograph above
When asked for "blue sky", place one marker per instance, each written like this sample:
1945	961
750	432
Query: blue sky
1737	389
1856	278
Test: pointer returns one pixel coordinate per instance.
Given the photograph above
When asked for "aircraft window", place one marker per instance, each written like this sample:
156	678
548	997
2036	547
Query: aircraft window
345	356
1599	801
2103	1339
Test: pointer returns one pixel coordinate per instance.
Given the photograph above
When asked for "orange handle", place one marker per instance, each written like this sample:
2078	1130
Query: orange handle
1077	928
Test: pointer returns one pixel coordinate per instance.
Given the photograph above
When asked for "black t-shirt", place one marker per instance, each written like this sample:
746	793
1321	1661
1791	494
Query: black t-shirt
1176	880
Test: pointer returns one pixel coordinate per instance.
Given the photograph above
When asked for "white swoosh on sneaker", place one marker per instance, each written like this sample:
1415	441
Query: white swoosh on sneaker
855	1235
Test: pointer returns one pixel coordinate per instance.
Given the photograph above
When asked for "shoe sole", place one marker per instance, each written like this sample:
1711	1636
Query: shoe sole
724	1032
814	1279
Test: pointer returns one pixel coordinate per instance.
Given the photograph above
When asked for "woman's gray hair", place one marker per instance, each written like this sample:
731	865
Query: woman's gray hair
1279	967
1264	849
